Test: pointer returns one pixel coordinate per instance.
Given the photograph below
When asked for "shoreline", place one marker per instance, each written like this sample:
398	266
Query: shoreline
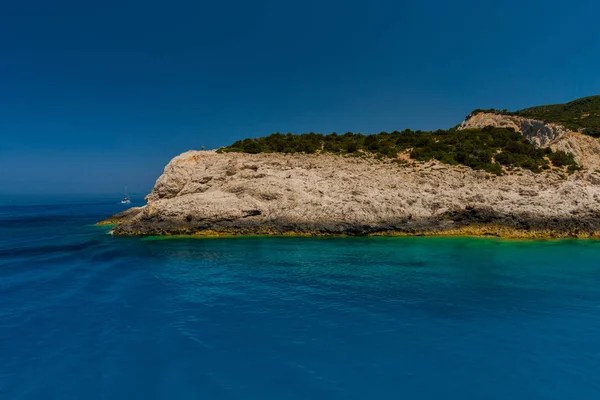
471	231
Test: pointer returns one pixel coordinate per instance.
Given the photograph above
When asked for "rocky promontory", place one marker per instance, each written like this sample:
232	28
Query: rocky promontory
233	193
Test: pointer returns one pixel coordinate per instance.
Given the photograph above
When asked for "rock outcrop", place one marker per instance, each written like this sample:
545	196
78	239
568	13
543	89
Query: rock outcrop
585	149
539	133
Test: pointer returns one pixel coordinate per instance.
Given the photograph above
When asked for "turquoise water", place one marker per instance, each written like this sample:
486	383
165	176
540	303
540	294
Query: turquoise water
84	315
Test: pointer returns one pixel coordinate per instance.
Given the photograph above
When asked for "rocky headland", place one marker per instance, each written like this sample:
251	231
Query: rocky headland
236	193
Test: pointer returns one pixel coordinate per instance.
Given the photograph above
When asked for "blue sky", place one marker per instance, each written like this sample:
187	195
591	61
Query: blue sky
95	96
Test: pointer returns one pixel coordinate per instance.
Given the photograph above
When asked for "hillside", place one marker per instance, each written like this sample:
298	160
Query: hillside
581	115
490	149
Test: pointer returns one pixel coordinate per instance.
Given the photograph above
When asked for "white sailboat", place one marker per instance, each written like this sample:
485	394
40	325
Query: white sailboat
126	199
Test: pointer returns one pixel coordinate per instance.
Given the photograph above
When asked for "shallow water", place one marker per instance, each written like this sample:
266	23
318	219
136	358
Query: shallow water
84	315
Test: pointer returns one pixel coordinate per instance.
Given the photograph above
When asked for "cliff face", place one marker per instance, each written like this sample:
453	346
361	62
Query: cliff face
206	193
202	192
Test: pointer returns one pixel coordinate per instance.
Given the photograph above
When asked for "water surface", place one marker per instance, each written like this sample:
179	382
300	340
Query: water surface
84	315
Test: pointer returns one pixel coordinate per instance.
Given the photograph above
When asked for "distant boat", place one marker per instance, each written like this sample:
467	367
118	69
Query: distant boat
126	199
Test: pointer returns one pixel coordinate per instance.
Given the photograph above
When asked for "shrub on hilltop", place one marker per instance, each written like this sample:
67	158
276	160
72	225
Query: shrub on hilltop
487	149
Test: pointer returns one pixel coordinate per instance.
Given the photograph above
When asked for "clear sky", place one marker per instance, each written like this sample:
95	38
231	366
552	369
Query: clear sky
97	95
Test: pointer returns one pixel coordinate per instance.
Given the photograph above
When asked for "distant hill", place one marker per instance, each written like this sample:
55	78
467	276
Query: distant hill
581	114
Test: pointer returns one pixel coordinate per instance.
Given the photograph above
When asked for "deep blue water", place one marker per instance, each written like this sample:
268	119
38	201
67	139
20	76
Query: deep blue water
84	315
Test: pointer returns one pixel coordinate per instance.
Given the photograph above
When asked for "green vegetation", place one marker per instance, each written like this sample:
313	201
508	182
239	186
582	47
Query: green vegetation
582	114
487	149
579	115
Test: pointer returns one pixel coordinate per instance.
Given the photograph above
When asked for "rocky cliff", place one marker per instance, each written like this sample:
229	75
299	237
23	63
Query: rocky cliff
206	193
211	193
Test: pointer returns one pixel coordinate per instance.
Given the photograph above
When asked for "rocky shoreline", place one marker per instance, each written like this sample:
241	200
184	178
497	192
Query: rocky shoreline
468	222
497	226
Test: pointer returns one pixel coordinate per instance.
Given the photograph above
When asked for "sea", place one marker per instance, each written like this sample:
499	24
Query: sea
85	315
